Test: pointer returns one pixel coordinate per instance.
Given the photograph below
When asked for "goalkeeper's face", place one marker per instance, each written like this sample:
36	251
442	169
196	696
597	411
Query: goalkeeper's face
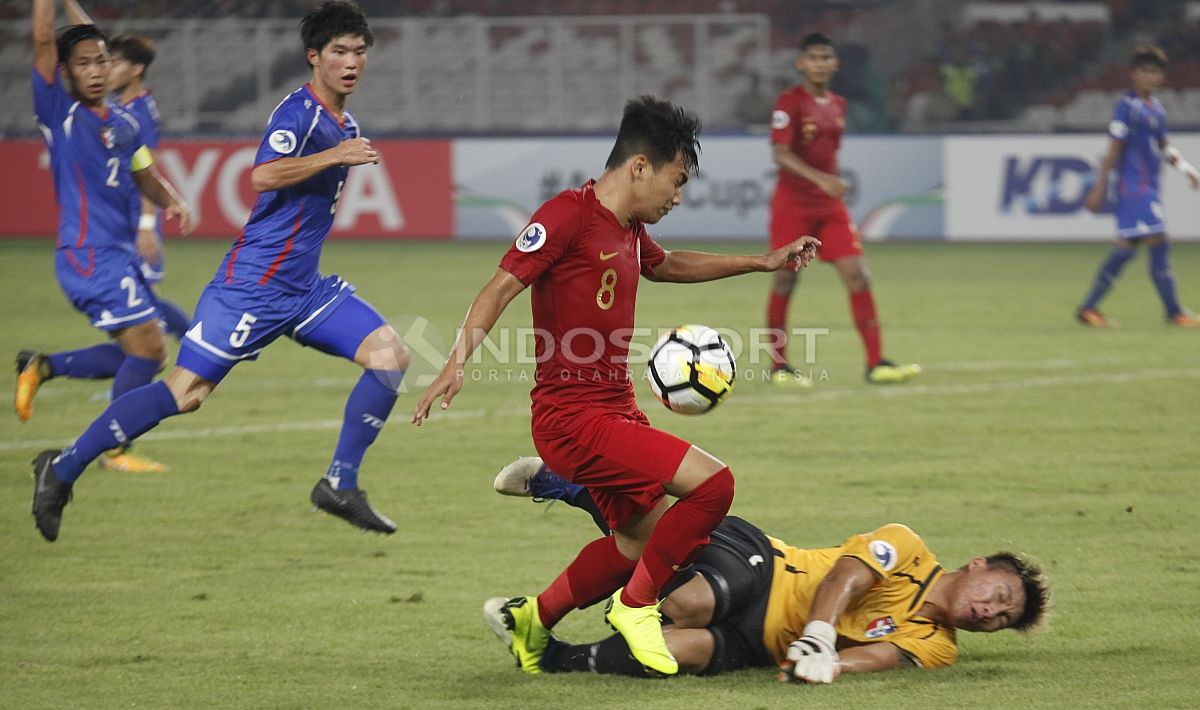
988	599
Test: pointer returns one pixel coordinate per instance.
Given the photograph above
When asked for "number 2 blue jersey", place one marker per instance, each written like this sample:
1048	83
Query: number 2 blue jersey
281	243
1142	126
90	157
143	108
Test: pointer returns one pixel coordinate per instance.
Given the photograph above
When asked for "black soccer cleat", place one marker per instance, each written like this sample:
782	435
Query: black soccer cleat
50	495
351	506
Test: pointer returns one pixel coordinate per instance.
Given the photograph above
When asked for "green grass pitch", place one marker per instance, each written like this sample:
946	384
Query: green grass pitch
216	586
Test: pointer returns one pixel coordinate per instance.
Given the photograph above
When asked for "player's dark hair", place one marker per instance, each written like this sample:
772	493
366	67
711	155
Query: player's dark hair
1035	584
1148	55
71	35
136	49
333	18
659	130
815	39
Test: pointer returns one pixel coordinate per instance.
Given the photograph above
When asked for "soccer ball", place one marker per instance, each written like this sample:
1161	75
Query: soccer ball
691	369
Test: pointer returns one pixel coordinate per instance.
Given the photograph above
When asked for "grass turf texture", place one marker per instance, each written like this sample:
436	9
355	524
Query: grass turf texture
216	586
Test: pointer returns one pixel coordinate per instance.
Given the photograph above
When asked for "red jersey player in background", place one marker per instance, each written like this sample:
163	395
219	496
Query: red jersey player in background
806	132
583	253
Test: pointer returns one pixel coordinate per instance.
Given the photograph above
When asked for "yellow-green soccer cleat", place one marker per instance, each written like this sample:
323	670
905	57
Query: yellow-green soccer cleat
788	376
122	461
32	371
516	622
889	373
641	628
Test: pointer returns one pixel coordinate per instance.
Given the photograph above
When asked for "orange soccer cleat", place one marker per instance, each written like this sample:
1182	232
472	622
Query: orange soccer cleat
31	374
1093	318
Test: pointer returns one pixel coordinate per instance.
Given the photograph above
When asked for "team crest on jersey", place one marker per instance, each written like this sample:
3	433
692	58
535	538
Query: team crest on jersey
109	137
880	627
884	553
282	141
780	119
532	238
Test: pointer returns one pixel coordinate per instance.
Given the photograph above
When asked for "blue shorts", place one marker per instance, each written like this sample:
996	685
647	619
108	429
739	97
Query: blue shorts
1139	216
106	285
236	321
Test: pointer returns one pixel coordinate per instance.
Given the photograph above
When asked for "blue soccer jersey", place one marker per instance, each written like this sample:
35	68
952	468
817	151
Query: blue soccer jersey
1142	126
91	155
281	243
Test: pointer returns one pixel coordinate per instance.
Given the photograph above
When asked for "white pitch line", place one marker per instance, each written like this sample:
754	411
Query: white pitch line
907	390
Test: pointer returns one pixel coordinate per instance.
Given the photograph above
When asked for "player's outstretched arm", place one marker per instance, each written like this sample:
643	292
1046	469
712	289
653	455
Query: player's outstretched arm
1095	198
813	658
285	172
45	55
695	266
483	314
163	194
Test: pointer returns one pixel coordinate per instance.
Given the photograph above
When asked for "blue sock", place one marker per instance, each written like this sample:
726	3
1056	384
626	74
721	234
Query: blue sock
127	418
134	372
175	319
1109	271
1164	280
98	362
367	408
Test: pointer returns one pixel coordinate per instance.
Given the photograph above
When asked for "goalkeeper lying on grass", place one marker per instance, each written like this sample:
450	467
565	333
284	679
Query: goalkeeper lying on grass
878	601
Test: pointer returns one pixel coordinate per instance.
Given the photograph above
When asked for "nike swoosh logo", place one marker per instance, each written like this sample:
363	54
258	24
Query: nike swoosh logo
606	257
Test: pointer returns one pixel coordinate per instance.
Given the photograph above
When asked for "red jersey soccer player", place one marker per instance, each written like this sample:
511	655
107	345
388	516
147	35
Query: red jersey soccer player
583	253
806	132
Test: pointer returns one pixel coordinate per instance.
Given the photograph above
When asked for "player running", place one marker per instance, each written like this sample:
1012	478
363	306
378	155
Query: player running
806	133
583	253
268	286
1138	133
132	56
100	164
878	601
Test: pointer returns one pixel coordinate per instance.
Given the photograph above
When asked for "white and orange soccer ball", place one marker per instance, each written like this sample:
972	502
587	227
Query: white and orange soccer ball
691	369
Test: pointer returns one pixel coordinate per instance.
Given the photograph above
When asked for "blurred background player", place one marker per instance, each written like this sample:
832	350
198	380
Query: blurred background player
878	601
806	132
132	56
268	286
1138	141
100	165
583	253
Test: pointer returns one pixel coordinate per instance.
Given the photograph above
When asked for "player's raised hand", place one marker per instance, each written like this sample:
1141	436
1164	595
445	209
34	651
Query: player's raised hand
813	657
180	211
447	385
356	151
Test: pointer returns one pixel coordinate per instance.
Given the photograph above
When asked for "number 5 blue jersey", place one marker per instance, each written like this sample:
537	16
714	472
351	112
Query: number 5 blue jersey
91	156
281	243
1142	126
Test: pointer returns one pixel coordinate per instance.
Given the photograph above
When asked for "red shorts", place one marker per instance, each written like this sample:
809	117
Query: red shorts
616	454
832	225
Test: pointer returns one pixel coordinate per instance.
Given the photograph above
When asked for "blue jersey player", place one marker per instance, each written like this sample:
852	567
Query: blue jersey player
268	286
132	56
1138	144
100	164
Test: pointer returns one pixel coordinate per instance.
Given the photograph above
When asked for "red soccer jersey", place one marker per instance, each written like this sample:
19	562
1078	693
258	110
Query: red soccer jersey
584	266
812	128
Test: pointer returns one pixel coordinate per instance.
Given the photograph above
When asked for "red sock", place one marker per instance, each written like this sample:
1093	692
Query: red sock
862	306
777	312
598	571
677	538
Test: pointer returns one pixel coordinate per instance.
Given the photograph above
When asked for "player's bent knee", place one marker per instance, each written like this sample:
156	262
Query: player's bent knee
189	389
383	350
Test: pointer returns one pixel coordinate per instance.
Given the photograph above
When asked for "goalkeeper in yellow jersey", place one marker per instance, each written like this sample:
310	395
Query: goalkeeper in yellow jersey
879	600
